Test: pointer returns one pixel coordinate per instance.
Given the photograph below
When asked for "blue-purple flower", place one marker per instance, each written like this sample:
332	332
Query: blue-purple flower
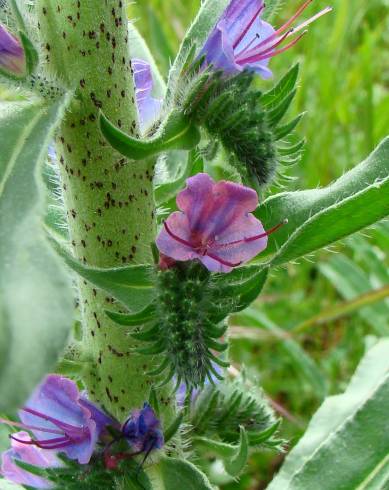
214	225
149	108
61	420
22	449
12	58
241	40
143	431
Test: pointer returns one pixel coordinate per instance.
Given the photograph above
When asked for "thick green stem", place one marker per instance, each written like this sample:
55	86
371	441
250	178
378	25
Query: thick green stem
109	200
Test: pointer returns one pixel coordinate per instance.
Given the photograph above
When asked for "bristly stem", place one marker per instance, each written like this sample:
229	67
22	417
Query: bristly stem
109	199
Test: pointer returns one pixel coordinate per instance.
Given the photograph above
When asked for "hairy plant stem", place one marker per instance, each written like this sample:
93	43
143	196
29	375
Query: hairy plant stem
109	200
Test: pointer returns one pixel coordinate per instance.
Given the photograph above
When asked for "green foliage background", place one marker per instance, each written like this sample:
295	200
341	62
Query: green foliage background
344	87
296	340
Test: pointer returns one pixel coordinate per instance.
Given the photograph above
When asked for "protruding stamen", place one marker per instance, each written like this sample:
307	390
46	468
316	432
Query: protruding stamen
55	443
286	25
30	427
247	28
309	21
253	238
253	51
268	232
273	53
175	237
223	262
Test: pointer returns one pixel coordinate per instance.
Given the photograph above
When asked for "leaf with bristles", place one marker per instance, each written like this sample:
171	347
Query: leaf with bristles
275	115
283	131
286	85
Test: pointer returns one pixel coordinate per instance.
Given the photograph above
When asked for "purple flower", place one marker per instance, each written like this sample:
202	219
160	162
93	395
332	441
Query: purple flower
215	225
12	57
69	423
149	108
22	450
143	430
241	40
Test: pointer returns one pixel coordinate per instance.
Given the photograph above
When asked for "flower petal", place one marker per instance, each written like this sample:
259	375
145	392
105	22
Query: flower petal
11	52
58	398
143	430
179	225
219	52
29	454
149	108
230	203
240	14
245	227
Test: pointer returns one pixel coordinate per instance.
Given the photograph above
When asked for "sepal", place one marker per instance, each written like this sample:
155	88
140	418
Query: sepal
220	411
234	456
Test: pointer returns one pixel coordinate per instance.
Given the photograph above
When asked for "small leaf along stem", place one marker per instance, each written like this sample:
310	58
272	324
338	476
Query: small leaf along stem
109	199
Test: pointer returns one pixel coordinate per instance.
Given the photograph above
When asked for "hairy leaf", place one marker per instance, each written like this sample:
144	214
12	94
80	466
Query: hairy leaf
319	217
36	296
131	285
172	473
346	445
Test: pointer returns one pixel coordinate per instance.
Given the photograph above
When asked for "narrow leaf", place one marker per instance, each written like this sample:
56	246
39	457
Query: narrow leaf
236	465
36	306
319	217
177	133
146	315
131	285
282	89
172	473
346	445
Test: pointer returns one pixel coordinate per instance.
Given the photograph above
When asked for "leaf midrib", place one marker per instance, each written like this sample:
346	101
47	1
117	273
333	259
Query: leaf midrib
344	422
19	146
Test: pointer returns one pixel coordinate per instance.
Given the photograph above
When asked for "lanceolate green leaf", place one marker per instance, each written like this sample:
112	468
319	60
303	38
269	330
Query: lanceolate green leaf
236	464
320	217
242	286
346	445
131	285
146	315
234	456
176	133
36	295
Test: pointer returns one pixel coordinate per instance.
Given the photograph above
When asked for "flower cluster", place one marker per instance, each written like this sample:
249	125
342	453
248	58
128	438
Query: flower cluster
241	40
70	425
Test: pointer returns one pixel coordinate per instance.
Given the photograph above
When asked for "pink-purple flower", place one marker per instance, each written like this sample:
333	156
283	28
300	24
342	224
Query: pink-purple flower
12	58
214	225
241	40
62	420
143	431
149	107
23	450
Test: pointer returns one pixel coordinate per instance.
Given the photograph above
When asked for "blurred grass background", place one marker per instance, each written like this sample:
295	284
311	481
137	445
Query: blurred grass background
304	336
